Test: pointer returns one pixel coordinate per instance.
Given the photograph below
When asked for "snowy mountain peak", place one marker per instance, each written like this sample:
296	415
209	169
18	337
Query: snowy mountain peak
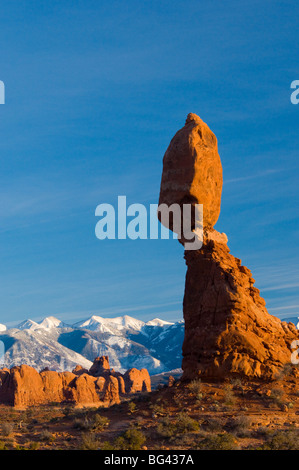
2	327
158	322
129	342
96	323
27	325
46	323
51	322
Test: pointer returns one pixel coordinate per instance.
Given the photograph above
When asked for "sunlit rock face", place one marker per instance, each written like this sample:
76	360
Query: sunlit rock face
228	331
192	171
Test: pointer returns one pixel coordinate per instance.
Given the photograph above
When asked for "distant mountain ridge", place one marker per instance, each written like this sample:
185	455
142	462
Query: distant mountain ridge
155	345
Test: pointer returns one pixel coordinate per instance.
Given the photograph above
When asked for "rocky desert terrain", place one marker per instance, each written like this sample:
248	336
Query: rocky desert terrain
235	414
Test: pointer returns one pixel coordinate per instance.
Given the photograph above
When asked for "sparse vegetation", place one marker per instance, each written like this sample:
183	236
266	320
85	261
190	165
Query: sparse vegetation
94	422
239	425
89	442
7	429
195	388
276	396
219	442
180	425
46	435
132	439
229	396
132	407
168	419
283	440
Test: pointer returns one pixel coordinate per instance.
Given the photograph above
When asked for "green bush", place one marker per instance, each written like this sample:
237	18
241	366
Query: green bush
46	435
186	424
195	388
132	439
3	446
7	429
239	425
89	442
212	425
166	427
283	440
180	425
93	423
219	442
132	407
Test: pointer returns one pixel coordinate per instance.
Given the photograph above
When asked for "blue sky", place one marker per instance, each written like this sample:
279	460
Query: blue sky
94	92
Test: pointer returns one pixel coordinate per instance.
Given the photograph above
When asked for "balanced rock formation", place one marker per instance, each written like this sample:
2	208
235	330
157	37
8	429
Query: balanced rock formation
24	386
228	331
192	171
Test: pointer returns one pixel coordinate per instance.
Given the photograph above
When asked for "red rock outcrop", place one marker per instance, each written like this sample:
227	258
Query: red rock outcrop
79	370
228	330
137	381
100	366
192	170
23	386
111	390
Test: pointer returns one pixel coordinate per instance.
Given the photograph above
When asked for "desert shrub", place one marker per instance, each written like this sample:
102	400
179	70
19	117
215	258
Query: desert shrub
166	427
185	441
132	439
285	371
219	442
3	446
132	407
195	388
34	445
84	424
283	440
99	423
158	409
239	425
229	397
180	425
186	424
7	429
276	394
212	425
46	435
276	397
93	423
89	442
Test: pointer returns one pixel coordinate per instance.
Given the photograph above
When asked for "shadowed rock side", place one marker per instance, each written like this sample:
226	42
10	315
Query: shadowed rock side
228	330
23	386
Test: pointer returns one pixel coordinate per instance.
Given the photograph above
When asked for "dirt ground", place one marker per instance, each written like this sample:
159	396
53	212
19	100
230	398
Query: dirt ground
199	415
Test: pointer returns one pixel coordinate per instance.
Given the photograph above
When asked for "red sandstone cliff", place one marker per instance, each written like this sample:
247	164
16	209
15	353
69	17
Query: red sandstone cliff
22	386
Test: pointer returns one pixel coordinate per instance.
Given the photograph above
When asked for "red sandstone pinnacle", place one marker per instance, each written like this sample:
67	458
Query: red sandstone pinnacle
228	330
192	171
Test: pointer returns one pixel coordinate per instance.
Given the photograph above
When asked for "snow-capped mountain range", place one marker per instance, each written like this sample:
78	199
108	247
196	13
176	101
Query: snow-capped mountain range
155	345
